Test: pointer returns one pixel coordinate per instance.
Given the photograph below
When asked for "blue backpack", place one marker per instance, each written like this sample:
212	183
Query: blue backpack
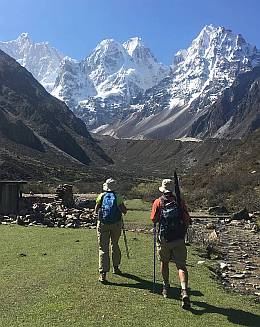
171	226
109	212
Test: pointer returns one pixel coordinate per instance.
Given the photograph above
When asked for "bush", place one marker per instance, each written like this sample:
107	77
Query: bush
225	185
145	191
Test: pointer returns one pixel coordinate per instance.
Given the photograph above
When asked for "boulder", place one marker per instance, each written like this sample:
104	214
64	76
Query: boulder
49	207
218	210
210	226
238	276
213	237
240	215
20	221
223	266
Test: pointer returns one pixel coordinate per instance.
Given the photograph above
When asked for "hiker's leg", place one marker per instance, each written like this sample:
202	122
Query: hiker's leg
115	235
185	299
164	257
183	276
179	255
165	272
103	234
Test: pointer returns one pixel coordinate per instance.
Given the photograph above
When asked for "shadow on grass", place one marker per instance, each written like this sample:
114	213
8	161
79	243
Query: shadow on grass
144	284
235	316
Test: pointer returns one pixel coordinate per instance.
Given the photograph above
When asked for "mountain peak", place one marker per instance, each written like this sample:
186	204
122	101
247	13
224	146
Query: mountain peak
41	59
132	44
209	28
23	37
108	43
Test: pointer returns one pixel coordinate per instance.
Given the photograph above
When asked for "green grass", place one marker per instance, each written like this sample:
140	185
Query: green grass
55	284
138	214
138	205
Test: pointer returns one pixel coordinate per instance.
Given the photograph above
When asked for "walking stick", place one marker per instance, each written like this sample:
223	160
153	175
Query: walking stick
125	240
177	189
154	256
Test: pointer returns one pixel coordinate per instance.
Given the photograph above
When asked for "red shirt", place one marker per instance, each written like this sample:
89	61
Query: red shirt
157	206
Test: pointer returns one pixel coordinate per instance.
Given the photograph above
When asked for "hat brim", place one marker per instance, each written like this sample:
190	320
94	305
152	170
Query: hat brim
106	188
164	190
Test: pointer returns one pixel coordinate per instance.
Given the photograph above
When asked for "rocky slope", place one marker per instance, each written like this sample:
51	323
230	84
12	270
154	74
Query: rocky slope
161	157
30	116
213	172
236	113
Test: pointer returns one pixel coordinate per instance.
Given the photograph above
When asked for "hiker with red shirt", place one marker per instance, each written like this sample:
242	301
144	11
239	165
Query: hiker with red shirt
173	223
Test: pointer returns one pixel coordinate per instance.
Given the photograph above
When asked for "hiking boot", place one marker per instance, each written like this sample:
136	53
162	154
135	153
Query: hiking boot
117	271
165	290
102	278
185	300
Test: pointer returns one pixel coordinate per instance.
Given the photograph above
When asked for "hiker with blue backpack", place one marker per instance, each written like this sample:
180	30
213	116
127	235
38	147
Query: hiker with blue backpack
173	219
109	208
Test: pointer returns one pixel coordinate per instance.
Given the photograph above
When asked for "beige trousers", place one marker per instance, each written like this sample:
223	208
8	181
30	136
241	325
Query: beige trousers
105	233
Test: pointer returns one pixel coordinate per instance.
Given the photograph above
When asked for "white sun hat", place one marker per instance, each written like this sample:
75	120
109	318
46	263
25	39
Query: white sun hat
167	186
109	185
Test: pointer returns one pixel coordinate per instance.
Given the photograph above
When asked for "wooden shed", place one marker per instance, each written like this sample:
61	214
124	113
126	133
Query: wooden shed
10	194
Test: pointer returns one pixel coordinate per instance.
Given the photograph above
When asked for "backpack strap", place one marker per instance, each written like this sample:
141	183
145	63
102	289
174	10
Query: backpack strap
163	199
105	194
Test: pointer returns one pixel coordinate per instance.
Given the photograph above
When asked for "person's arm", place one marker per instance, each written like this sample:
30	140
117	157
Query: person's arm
121	205
155	213
98	203
122	208
97	207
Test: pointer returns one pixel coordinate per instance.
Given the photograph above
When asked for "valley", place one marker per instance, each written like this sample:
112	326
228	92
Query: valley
114	97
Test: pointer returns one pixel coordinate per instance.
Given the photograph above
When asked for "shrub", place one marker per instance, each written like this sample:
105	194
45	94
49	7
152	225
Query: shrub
145	191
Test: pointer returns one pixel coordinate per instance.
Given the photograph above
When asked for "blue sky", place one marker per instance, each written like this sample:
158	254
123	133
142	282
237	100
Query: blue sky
75	27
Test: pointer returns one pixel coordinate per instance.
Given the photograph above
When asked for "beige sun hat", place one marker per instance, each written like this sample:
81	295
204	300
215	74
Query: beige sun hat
167	186
109	185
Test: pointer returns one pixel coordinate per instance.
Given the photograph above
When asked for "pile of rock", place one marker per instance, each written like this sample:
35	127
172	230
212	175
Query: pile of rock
53	215
62	212
64	193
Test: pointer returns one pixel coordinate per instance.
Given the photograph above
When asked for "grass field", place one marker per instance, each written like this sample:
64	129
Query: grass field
138	215
48	277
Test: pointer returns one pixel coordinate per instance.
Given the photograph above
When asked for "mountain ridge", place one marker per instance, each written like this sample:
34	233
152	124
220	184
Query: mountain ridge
121	90
40	58
168	110
29	114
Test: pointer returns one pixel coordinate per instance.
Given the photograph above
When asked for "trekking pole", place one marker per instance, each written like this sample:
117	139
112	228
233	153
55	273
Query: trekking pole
177	189
125	240
154	256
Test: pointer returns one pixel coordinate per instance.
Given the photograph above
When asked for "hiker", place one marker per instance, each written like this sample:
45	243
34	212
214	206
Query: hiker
109	208
173	224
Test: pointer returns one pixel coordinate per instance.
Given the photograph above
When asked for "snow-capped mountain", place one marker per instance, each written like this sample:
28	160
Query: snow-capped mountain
41	59
199	75
108	79
123	91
